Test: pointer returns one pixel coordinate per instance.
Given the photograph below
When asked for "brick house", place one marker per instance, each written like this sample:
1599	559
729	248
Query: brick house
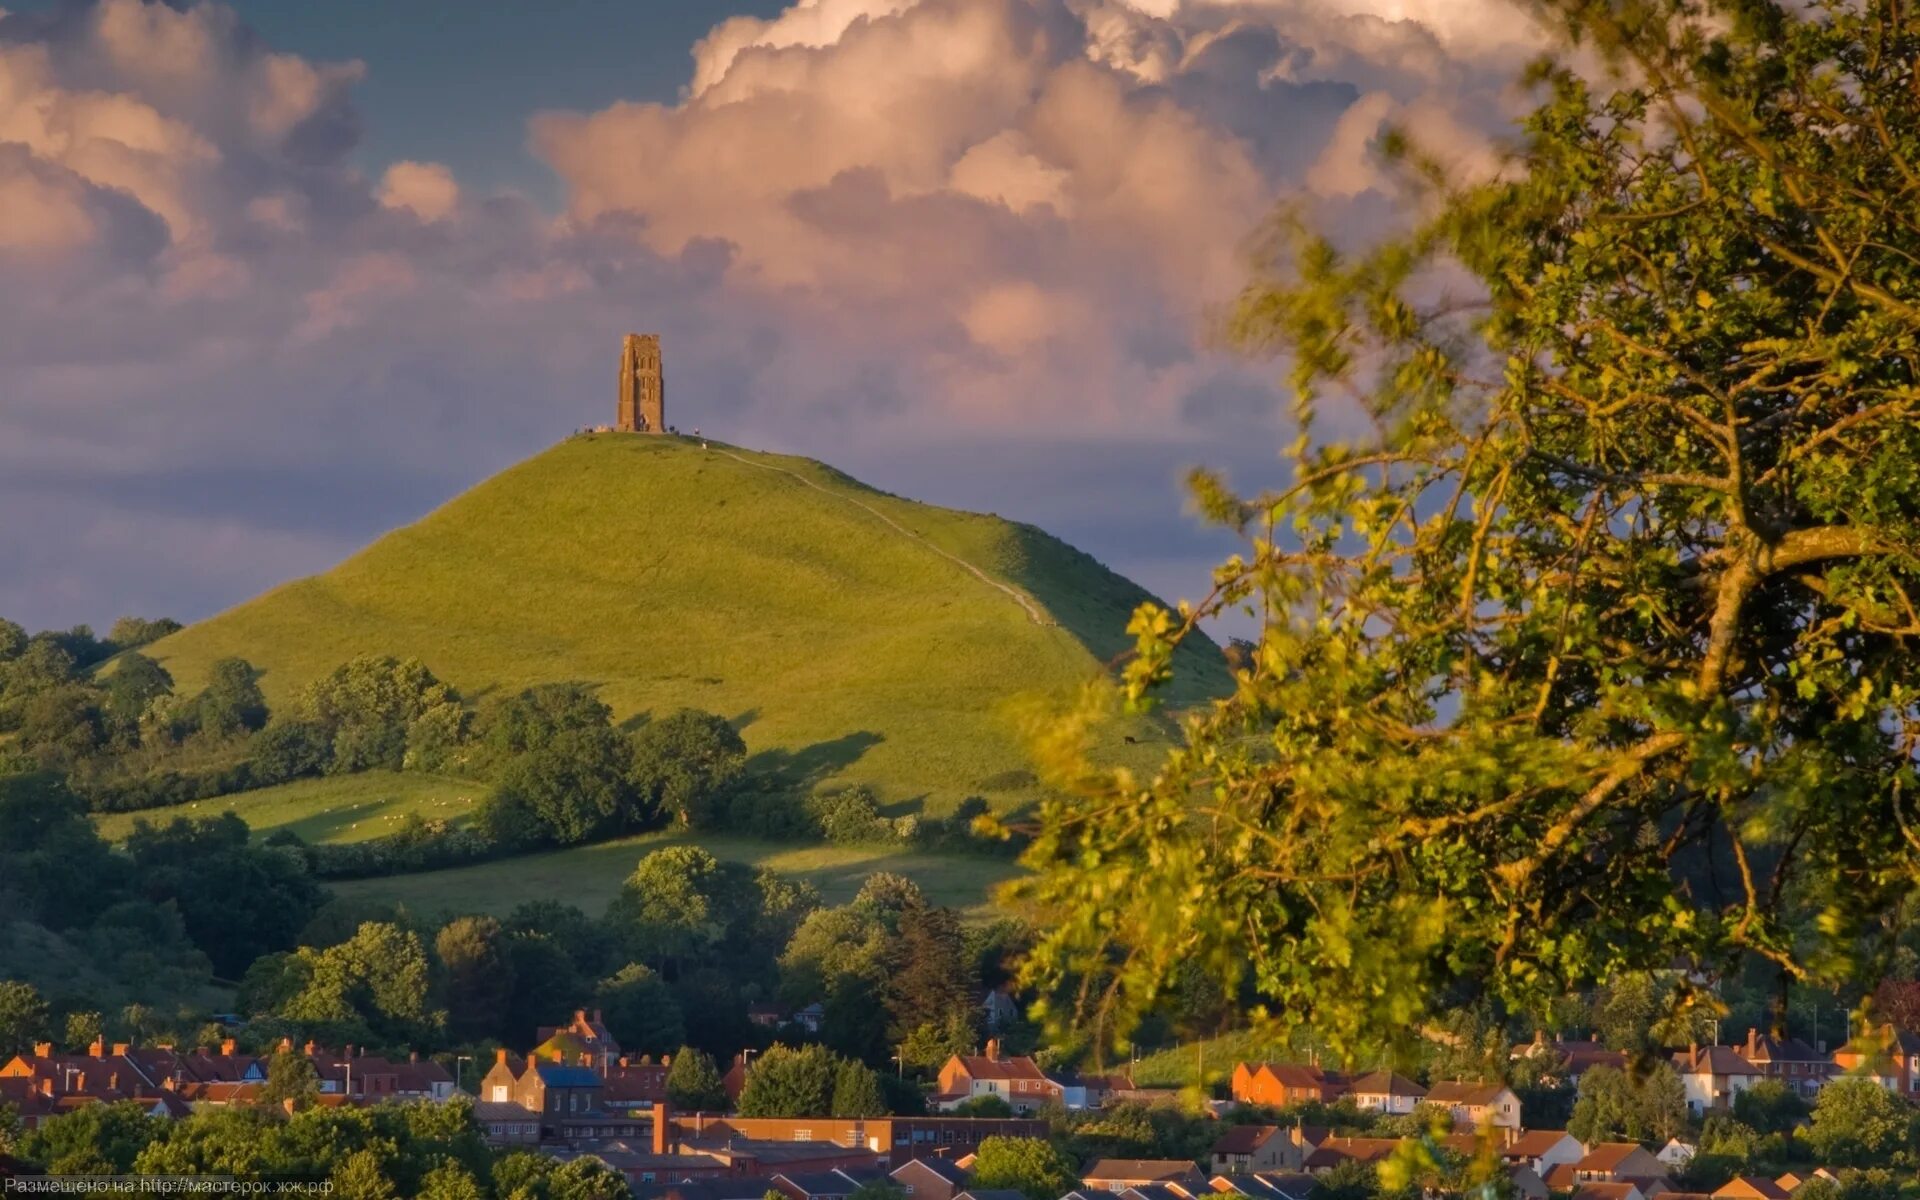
898	1139
1281	1084
1887	1055
1567	1059
1122	1174
1543	1150
930	1178
1017	1080
587	1034
1248	1149
1790	1060
1266	1185
1617	1162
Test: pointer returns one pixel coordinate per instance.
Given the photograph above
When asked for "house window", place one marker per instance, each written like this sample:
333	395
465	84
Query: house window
499	1093
803	1135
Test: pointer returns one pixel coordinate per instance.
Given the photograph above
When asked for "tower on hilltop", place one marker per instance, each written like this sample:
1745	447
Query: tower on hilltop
643	386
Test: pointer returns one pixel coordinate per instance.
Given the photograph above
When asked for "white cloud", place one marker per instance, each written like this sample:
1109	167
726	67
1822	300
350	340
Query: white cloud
869	227
427	190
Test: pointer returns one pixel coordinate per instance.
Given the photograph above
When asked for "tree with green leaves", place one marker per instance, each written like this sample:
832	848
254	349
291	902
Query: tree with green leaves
694	1083
930	978
24	1017
1856	1121
374	707
577	785
1034	1167
479	976
232	701
857	1091
362	1175
1613	1105
137	681
1770	1106
640	1010
376	984
686	764
509	726
450	1181
586	1178
668	908
291	1078
129	633
790	1082
93	1139
1586	619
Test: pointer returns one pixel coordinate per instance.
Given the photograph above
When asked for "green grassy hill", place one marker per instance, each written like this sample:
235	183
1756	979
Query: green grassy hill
851	635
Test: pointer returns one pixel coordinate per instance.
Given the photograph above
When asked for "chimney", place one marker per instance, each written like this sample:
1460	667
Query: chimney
661	1116
623	1060
993	1049
500	1056
82	1085
286	1044
43	1049
666	1060
413	1056
579	1016
1693	1056
169	1083
120	1049
46	1086
98	1049
308	1050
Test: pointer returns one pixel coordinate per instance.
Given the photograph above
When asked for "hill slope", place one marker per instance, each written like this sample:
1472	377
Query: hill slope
849	634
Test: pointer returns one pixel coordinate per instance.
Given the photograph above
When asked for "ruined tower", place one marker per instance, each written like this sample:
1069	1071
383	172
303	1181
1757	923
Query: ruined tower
643	385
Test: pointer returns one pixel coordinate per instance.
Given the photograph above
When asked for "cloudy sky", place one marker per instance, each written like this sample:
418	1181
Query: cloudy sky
279	275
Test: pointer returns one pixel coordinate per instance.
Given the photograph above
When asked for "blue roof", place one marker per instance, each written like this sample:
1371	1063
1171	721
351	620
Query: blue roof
557	1075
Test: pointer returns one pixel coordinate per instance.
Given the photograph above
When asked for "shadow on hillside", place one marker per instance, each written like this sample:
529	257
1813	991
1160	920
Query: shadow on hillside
1094	604
800	771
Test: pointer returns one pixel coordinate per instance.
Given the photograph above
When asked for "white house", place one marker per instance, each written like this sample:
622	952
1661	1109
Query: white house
1713	1076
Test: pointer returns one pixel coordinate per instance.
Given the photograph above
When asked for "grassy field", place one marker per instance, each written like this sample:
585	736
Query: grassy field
850	635
344	808
590	876
1212	1060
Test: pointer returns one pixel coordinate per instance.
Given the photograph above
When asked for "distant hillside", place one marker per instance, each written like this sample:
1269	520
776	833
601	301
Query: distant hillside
849	634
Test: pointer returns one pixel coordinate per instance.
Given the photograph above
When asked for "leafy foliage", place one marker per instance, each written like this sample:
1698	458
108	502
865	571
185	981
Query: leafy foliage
1032	1166
1591	649
694	1083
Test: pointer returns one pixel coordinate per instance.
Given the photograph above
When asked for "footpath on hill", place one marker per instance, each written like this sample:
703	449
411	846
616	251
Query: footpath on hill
1034	611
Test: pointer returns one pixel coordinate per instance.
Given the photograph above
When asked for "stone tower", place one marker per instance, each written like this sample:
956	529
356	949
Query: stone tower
643	385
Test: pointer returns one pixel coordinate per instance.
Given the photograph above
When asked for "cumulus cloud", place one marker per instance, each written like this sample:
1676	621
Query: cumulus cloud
427	190
869	229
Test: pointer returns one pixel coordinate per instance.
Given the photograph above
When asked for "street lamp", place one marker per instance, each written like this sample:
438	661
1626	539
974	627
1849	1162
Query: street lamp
899	1067
349	1066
